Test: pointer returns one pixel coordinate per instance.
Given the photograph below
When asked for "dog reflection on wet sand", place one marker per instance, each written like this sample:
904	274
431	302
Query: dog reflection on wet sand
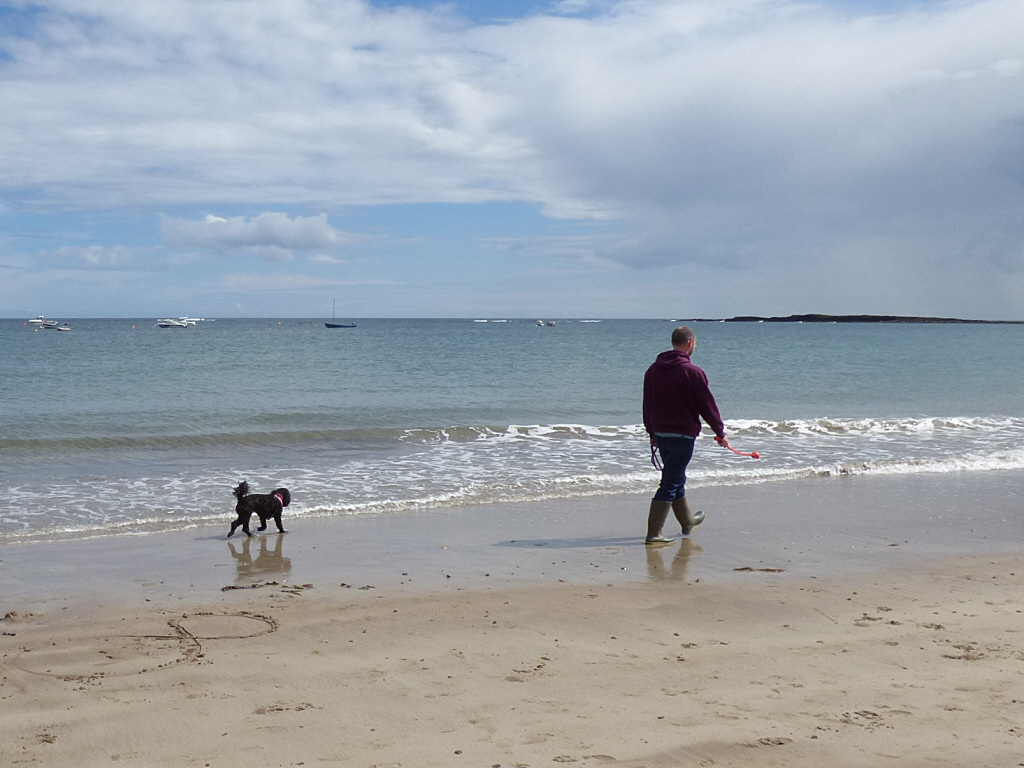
267	563
657	570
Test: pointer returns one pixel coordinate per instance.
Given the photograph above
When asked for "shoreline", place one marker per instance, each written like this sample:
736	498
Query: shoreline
441	639
820	527
809	527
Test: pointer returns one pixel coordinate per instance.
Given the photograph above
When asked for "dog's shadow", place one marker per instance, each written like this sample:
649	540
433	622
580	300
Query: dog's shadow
269	561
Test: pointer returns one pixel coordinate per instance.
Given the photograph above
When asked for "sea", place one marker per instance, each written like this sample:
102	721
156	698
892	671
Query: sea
118	427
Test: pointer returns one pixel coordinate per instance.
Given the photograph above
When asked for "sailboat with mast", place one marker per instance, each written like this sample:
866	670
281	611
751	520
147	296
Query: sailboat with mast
333	324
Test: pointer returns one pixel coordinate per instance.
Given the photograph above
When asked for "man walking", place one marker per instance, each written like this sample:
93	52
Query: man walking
676	398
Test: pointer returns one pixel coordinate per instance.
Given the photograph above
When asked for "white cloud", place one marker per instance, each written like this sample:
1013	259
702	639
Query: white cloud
650	104
94	256
746	127
273	236
749	134
259	283
579	249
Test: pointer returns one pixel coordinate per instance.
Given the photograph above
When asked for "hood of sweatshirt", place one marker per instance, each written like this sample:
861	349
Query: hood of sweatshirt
671	359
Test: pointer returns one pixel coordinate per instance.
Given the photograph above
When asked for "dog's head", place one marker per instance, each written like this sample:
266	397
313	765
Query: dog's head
286	497
242	490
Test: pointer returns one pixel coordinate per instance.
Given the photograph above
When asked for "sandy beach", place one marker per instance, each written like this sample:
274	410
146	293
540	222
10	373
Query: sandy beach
535	635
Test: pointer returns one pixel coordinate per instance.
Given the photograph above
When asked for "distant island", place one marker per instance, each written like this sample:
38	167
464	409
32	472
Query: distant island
859	319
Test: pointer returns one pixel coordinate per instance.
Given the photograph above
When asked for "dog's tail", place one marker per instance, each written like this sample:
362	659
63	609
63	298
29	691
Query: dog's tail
242	490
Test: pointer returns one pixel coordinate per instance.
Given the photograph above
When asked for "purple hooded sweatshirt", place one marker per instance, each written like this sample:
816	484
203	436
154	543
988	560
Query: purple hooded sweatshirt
676	397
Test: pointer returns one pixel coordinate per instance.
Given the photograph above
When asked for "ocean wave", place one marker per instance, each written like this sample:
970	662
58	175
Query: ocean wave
520	432
817	427
325	503
456	434
874	427
991	463
642	481
184	442
397	471
353	437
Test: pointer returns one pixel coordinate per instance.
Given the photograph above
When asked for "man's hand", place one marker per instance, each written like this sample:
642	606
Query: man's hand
722	441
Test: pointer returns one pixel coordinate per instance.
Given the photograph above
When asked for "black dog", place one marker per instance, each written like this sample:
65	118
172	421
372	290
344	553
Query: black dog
266	505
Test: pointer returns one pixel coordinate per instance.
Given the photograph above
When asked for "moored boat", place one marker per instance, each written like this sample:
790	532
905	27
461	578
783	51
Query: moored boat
42	322
333	324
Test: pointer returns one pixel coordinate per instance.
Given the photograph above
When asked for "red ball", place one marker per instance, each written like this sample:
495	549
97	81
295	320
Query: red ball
755	455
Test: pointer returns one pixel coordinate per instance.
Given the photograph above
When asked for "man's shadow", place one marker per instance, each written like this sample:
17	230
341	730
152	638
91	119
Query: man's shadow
675	569
267	562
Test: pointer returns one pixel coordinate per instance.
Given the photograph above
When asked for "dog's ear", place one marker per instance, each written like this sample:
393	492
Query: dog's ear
286	497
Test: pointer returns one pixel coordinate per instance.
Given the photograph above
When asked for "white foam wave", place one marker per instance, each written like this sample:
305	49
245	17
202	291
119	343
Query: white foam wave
643	481
520	432
869	427
793	428
464	466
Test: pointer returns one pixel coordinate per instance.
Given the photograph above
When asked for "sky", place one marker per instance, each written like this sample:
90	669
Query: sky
534	158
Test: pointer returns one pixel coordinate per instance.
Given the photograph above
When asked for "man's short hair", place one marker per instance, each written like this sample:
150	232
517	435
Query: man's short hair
682	335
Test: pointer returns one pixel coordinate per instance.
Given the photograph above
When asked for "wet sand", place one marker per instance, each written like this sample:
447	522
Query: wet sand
857	621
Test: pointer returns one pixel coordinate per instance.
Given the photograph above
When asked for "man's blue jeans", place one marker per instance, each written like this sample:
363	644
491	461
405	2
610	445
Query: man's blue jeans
675	455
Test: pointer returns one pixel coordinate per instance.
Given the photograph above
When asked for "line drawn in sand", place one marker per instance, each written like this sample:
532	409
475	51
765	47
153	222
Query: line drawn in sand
122	655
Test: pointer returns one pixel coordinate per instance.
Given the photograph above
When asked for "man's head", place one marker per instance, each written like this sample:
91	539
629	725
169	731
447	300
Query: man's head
684	339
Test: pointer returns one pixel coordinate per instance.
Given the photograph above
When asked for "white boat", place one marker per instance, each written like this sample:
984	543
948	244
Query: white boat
42	324
181	322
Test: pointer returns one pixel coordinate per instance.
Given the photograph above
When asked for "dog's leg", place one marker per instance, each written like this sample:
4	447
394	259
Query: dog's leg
277	519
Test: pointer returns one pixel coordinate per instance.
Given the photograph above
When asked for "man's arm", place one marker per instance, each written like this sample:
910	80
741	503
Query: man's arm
708	410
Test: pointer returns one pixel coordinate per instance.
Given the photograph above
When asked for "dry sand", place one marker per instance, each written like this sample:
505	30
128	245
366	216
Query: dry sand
911	663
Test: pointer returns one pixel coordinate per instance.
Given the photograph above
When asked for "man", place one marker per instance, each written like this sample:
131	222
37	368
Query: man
676	398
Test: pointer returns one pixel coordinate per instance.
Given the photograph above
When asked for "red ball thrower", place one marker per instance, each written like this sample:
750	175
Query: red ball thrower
753	455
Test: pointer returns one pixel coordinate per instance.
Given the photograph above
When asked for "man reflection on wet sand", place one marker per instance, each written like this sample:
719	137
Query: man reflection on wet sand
267	562
676	570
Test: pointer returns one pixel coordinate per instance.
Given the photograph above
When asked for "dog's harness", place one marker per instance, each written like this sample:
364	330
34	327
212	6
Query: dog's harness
279	499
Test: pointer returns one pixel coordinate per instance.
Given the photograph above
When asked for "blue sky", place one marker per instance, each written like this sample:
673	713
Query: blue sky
511	159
